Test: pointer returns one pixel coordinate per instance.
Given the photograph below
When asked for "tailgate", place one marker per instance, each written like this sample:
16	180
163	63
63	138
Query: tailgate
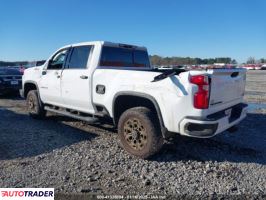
226	85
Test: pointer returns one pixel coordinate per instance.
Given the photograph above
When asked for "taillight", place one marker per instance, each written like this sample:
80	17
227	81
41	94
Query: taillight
201	97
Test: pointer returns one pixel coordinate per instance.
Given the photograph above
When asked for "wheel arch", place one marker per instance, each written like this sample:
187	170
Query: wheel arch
31	85
120	104
28	86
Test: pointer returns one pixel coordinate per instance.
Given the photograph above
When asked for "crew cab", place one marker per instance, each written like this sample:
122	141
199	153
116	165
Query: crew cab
10	80
96	81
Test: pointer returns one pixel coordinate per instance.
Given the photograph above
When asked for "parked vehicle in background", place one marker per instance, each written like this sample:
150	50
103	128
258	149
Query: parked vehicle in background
95	81
252	66
249	67
10	80
184	67
258	67
165	67
30	64
40	63
263	67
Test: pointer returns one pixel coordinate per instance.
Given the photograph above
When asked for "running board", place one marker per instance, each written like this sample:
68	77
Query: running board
68	114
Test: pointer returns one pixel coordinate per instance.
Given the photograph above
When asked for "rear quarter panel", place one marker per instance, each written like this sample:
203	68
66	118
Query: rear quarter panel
173	95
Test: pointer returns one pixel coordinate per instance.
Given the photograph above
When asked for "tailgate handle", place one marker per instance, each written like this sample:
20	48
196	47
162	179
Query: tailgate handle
234	74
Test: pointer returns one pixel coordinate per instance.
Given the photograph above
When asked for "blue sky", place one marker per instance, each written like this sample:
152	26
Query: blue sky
31	29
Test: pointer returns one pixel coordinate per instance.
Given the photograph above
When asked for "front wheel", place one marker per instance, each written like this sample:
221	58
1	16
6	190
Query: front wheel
34	105
139	132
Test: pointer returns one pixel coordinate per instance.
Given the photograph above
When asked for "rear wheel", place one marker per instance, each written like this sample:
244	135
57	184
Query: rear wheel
34	105
139	132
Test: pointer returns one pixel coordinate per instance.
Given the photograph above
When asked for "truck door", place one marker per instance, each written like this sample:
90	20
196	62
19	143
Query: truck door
76	80
49	84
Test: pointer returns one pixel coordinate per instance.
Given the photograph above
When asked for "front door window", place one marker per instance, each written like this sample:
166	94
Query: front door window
58	60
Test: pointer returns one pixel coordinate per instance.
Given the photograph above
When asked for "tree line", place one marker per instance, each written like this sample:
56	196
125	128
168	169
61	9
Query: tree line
19	63
158	60
252	60
16	63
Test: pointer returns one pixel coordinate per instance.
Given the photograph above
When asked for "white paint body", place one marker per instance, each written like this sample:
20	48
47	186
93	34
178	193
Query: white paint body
174	95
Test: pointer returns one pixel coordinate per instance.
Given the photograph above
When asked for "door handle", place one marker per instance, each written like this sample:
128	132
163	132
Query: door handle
84	77
57	75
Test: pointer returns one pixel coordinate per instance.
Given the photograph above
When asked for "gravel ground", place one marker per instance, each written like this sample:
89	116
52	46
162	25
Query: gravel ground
76	158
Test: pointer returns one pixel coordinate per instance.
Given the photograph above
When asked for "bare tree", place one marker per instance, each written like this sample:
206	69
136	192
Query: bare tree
251	60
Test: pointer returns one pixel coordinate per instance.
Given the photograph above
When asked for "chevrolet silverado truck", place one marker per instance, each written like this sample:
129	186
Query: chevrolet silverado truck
96	81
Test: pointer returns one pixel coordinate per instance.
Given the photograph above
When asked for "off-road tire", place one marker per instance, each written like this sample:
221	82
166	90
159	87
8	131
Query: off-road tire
147	140
34	105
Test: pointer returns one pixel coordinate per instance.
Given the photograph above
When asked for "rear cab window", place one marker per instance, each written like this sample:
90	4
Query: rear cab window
124	57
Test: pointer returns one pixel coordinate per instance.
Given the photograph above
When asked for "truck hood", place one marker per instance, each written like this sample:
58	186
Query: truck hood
33	69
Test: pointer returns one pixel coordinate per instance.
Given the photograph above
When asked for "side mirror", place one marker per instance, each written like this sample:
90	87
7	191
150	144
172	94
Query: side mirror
44	72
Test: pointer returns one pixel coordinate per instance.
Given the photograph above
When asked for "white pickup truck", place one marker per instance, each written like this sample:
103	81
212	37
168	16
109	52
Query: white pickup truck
95	81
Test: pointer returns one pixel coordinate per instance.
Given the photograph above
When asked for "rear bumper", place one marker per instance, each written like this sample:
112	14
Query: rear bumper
9	89
214	123
5	86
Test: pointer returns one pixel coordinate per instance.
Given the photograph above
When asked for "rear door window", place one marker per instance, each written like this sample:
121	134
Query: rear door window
79	57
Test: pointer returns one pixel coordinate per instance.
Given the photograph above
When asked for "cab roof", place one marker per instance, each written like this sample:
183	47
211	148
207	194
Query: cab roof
106	43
